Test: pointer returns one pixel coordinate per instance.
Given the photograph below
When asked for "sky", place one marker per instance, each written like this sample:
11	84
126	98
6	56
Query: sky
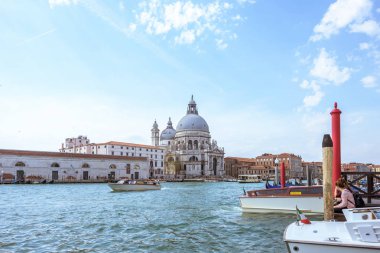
265	73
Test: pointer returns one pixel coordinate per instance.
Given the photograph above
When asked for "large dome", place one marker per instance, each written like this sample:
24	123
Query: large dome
192	122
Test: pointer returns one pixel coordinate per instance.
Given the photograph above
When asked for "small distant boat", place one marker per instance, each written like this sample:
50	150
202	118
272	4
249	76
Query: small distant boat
309	200
360	233
133	185
249	179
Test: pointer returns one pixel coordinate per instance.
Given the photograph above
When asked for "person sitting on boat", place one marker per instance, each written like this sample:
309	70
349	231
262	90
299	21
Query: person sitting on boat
346	199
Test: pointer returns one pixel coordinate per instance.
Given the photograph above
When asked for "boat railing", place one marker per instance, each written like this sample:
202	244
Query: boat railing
366	190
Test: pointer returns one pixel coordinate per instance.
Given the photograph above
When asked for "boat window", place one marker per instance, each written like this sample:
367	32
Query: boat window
272	192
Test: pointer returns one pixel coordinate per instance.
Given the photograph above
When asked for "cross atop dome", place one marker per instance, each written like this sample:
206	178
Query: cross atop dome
192	107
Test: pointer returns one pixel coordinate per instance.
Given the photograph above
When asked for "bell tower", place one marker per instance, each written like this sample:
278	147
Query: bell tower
155	134
192	107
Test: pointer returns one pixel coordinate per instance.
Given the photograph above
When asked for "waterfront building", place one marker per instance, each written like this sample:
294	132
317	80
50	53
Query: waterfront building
154	154
315	167
21	165
235	166
190	151
293	163
264	165
355	167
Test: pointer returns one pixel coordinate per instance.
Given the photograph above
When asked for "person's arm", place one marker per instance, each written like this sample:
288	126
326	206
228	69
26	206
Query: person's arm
344	197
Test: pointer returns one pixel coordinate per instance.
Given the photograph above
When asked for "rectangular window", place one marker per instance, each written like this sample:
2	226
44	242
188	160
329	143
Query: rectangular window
121	153
155	156
140	154
133	148
155	163
162	164
151	156
126	154
112	146
133	154
146	149
162	157
140	149
155	150
121	147
112	153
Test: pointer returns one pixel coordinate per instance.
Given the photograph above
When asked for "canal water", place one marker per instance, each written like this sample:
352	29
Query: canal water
182	217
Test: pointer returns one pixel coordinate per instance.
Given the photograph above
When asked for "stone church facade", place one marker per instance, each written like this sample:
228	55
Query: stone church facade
190	151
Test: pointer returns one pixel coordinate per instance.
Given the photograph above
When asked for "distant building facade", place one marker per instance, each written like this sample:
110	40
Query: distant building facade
264	165
154	154
20	165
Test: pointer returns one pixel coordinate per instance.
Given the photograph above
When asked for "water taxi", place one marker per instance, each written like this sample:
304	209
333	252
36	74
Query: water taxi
309	200
133	185
250	179
360	233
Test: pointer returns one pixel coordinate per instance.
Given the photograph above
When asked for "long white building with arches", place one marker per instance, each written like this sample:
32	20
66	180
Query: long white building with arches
24	166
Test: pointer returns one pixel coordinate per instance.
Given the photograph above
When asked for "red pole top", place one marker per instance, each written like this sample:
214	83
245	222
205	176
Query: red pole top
335	110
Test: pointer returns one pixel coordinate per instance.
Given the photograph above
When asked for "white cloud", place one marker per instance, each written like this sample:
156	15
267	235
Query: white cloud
364	46
132	27
339	15
121	5
54	3
221	44
325	68
246	1
186	37
186	21
369	81
369	27
315	99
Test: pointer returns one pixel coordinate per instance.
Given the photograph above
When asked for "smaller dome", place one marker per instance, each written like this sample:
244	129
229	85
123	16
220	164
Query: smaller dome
168	133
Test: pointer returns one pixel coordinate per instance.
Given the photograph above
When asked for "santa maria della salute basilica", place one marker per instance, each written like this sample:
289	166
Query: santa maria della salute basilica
189	150
184	152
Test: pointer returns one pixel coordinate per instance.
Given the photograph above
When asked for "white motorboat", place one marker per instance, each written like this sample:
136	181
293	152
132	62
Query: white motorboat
249	179
131	185
309	200
360	233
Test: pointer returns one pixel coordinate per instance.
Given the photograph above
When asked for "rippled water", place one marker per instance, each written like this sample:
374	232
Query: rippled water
182	217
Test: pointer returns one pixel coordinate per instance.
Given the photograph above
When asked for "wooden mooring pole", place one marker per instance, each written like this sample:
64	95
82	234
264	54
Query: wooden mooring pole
327	166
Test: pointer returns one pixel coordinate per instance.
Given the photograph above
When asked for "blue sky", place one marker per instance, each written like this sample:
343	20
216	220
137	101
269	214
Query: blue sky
265	74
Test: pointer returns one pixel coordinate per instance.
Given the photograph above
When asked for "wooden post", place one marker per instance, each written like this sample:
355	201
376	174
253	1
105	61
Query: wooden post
327	166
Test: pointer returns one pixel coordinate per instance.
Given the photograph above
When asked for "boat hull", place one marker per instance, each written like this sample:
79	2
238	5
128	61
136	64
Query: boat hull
326	237
281	204
133	187
301	247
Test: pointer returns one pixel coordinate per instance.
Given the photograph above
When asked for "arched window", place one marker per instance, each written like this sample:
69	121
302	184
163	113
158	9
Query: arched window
189	145
193	159
195	144
113	166
20	164
85	166
55	165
